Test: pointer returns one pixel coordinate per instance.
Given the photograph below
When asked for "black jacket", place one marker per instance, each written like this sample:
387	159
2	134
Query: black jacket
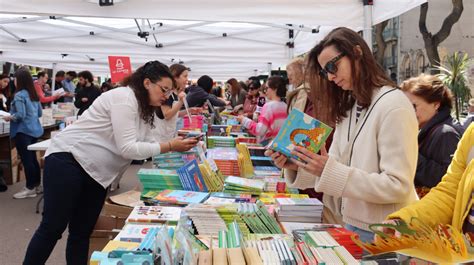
197	97
437	141
91	93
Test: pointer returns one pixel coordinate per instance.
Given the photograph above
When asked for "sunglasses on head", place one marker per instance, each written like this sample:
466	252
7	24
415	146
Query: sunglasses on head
330	67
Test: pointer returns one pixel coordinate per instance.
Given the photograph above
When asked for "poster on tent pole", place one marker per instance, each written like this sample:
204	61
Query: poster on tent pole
120	67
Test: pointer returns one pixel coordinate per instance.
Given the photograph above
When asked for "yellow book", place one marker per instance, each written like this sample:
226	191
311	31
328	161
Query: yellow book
120	245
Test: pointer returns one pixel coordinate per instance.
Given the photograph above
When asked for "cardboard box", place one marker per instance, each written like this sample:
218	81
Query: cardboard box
112	209
106	229
110	222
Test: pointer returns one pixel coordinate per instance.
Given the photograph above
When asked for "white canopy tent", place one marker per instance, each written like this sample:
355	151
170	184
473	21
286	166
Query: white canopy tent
220	38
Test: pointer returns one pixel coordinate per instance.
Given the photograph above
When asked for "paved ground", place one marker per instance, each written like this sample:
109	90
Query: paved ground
18	221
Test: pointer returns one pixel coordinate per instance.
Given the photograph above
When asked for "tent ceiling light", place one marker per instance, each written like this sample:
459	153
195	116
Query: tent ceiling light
105	2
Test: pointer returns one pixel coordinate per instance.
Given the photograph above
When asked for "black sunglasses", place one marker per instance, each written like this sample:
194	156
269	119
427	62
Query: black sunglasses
330	66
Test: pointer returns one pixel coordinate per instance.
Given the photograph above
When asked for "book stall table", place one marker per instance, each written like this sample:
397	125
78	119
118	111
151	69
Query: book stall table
9	159
224	202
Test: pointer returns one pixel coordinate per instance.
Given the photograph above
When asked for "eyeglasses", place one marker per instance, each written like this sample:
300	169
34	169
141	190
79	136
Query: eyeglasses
166	91
330	66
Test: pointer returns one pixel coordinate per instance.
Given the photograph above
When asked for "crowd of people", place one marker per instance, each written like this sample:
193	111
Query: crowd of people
392	144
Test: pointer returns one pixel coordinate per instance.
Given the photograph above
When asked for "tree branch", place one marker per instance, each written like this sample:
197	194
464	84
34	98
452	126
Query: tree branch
422	22
449	21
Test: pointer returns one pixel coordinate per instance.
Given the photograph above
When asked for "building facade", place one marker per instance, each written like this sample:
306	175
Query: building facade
405	53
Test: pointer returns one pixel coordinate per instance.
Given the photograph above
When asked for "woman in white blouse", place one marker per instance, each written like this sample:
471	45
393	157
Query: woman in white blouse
87	156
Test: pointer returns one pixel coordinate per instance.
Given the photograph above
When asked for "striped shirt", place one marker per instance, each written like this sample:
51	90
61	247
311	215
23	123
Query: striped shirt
269	122
359	109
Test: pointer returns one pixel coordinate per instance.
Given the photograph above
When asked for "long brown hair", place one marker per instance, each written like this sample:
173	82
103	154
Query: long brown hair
234	86
367	74
155	71
24	80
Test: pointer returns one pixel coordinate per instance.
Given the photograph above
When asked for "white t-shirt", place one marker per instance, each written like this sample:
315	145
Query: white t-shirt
108	136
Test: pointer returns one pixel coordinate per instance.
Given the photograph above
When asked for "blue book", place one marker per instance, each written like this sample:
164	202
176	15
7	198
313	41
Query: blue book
191	175
300	129
181	196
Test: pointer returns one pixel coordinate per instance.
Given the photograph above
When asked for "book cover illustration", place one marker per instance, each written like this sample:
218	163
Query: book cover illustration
135	232
154	214
181	196
441	244
191	177
300	129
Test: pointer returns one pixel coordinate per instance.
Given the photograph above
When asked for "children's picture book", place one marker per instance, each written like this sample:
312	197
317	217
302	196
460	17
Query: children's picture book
134	232
244	183
302	130
154	214
191	177
295	204
181	197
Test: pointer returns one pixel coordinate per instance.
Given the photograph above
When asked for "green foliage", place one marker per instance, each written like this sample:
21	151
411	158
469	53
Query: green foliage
454	75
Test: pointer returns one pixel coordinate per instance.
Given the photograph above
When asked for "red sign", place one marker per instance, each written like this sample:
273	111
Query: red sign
120	67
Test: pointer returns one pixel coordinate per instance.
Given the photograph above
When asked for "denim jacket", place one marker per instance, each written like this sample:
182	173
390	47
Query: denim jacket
25	115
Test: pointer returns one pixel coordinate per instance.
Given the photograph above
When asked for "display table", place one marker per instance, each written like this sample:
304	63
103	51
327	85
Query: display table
40	146
8	152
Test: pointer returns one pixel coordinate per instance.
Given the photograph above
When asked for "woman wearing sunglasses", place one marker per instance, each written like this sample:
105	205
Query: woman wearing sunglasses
372	160
88	155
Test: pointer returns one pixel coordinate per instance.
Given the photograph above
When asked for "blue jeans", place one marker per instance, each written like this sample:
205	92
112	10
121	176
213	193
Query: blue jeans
71	197
28	159
364	236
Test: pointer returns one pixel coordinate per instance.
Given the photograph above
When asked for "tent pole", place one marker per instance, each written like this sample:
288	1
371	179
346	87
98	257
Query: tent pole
53	80
269	68
291	43
367	32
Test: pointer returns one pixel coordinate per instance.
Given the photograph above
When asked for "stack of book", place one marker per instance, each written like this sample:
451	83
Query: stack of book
213	179
226	160
274	250
220	141
343	237
261	161
232	237
173	160
191	177
220	130
229	214
154	214
274	184
135	232
180	197
205	218
245	164
258	219
248	140
270	197
266	171
196	122
238	185
159	179
309	210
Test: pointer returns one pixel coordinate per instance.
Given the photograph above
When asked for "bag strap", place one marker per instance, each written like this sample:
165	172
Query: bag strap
347	154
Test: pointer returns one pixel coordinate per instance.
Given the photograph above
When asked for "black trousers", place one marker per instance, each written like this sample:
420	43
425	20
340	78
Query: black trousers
28	159
71	198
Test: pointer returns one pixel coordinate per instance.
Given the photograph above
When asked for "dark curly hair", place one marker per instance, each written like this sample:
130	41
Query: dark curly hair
155	71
